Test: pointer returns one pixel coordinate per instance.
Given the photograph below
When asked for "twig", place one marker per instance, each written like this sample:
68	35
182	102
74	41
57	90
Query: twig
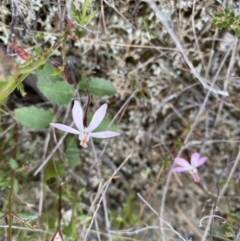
51	154
215	216
230	66
230	176
206	99
101	193
237	238
27	229
140	230
165	23
162	220
45	161
115	117
188	221
195	34
106	218
103	18
100	176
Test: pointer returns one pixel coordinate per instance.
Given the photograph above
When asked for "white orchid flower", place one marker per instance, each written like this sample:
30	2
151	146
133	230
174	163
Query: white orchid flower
86	132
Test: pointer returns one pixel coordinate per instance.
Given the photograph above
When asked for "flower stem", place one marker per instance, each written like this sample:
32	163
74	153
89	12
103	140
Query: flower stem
10	201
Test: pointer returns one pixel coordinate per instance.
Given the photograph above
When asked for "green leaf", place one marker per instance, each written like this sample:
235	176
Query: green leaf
70	229
237	19
38	50
13	164
57	71
229	11
34	117
166	160
27	216
84	11
53	169
222	25
23	216
75	13
237	31
59	92
54	87
20	88
84	84
98	86
44	75
5	180
89	18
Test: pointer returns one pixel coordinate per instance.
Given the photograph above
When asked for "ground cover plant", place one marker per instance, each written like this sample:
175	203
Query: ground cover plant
119	120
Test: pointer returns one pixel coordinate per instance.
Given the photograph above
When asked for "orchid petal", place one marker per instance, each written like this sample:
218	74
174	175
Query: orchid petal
181	162
104	134
65	128
97	117
194	158
179	169
77	114
201	161
196	177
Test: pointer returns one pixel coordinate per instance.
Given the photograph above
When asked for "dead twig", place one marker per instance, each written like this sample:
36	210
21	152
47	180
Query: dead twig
165	23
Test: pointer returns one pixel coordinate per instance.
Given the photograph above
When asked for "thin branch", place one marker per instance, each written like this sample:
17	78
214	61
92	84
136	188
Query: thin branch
27	229
230	176
165	23
160	218
101	193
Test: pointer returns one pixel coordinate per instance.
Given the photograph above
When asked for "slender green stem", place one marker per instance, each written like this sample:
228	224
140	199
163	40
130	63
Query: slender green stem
10	202
59	208
25	69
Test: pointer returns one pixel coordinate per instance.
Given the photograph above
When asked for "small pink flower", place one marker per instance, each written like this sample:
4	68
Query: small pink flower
82	131
184	165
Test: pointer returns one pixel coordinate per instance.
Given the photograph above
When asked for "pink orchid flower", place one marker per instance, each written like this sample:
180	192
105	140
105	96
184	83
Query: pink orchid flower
83	132
196	161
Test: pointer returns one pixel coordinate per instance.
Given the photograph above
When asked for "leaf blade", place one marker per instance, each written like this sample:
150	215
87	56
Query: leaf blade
58	93
98	86
34	117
